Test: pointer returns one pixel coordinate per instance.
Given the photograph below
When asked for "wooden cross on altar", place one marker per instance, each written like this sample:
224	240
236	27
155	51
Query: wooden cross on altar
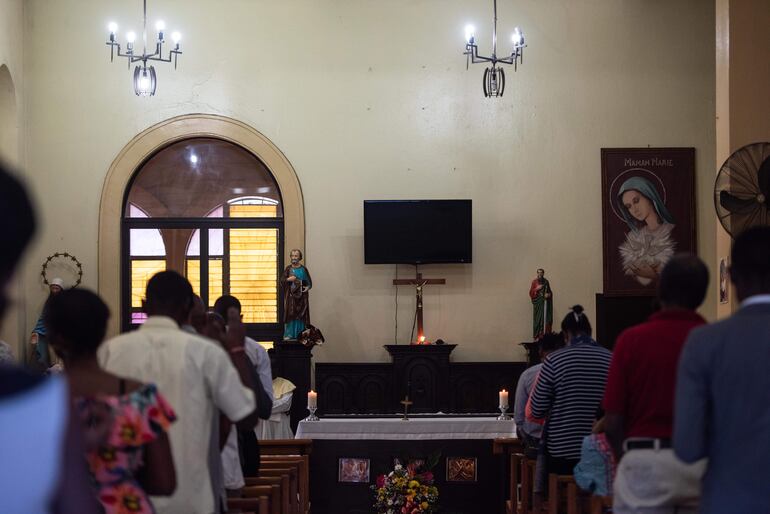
406	402
419	283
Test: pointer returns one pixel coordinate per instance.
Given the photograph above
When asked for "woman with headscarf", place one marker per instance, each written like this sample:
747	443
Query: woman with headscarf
648	245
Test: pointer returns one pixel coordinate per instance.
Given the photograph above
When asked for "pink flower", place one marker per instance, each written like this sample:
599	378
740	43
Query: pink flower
428	476
380	481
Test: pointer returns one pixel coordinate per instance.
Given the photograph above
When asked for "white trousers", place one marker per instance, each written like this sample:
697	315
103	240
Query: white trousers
656	482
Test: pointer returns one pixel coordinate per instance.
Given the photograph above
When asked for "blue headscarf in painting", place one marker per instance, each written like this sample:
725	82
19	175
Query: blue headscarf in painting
646	188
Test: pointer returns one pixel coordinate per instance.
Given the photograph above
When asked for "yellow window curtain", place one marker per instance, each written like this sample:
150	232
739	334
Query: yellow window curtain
253	265
141	271
215	277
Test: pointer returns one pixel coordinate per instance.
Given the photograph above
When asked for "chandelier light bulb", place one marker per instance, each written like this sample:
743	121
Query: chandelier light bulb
112	27
131	37
160	25
176	37
470	32
518	37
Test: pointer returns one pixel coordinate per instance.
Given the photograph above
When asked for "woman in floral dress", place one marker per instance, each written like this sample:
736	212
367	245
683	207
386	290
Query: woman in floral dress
124	422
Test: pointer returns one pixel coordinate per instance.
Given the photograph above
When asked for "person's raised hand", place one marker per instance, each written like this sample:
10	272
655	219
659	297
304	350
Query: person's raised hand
236	330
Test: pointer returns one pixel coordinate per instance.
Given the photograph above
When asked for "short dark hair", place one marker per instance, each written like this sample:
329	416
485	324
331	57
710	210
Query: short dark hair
552	342
17	217
683	281
751	259
541	269
223	304
169	291
576	321
79	317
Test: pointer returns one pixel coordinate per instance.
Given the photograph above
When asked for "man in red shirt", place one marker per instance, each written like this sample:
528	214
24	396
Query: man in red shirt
639	398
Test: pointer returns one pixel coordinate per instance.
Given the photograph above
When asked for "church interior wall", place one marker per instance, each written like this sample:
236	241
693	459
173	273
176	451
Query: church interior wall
371	100
11	90
742	77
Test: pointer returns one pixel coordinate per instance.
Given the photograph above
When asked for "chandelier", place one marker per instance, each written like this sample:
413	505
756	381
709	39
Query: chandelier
145	80
494	76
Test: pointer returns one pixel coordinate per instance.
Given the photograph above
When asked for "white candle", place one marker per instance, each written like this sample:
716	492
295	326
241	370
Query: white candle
503	398
312	399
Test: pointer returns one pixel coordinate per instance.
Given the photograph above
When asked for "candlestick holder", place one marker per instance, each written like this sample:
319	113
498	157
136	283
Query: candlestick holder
406	403
503	416
312	416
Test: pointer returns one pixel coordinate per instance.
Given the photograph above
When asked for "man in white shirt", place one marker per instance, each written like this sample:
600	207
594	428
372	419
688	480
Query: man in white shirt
231	462
195	375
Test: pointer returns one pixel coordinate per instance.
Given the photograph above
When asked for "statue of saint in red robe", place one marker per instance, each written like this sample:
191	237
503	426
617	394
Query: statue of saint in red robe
542	302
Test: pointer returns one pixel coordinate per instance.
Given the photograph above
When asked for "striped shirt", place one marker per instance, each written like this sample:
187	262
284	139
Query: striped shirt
568	392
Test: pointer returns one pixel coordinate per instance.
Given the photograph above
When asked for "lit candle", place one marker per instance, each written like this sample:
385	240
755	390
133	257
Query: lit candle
312	399
503	398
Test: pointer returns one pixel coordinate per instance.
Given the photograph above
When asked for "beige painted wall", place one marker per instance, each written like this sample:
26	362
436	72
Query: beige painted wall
371	100
742	82
11	108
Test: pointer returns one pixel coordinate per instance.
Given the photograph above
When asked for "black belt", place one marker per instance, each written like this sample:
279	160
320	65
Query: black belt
648	444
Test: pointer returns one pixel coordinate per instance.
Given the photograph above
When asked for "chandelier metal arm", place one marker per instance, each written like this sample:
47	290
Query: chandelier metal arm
472	50
132	57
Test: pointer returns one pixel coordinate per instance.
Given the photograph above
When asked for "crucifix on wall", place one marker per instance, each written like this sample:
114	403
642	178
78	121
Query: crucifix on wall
419	283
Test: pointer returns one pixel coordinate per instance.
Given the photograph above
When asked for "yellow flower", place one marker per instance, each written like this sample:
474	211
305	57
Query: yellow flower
424	505
414	484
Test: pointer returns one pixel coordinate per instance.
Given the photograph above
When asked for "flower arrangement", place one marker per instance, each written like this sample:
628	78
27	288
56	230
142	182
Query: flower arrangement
405	491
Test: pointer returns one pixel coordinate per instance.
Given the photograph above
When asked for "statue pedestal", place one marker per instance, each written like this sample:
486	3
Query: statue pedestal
293	364
422	372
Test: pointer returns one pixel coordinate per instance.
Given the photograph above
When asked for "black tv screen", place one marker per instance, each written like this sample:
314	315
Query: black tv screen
417	231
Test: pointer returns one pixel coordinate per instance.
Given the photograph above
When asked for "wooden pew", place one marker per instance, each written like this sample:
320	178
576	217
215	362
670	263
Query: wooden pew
527	468
267	469
291	453
562	495
274	493
302	463
286	447
600	504
281	482
511	447
259	505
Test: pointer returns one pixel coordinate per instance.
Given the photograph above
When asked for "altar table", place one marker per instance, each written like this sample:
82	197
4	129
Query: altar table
371	445
398	429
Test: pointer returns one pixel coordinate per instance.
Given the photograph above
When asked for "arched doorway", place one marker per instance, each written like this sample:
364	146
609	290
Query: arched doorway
13	324
9	123
185	193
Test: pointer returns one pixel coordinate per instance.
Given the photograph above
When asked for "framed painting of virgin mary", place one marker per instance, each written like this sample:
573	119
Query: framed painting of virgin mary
648	214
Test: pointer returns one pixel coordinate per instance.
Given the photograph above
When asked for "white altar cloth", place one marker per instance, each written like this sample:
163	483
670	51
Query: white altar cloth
415	428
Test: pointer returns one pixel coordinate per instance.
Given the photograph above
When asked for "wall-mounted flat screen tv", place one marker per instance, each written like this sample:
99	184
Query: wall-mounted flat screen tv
417	231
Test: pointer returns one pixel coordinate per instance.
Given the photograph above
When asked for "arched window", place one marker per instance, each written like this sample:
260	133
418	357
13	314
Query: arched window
212	211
